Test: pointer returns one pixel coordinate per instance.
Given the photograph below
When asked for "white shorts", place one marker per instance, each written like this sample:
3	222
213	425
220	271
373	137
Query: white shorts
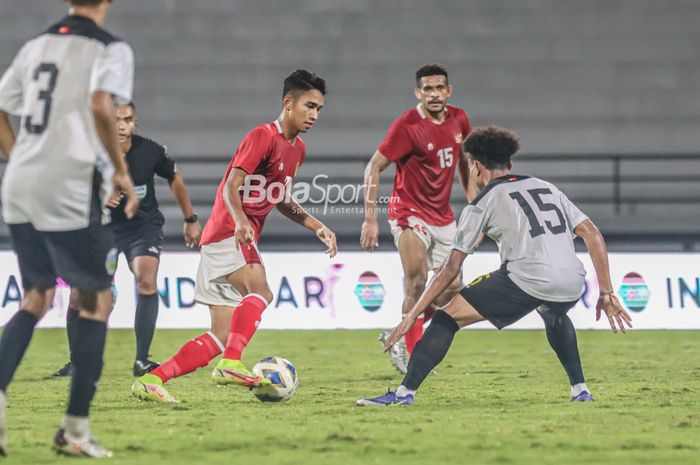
217	261
437	239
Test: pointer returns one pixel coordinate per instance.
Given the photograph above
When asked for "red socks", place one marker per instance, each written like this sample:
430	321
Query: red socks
244	323
416	332
197	353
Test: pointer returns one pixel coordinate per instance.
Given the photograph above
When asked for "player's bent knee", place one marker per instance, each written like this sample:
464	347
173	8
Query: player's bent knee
38	301
87	301
262	289
415	285
462	311
102	307
267	295
146	286
549	317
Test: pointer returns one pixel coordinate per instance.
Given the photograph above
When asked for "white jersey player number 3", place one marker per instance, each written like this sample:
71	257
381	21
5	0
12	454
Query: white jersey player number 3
45	95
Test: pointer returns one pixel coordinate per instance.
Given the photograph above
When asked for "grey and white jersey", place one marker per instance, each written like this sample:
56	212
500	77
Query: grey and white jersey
50	180
532	222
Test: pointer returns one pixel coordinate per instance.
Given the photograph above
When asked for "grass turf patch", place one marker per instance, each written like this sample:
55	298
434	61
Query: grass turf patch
498	398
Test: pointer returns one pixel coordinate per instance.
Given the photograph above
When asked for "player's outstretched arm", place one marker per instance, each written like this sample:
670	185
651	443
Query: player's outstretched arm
444	276
295	212
191	230
369	236
7	135
104	113
607	301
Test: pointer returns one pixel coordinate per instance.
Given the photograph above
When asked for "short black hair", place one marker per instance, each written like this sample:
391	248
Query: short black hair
303	80
493	146
87	2
431	69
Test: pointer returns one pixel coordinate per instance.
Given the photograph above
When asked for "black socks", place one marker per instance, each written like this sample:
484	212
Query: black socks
145	323
14	342
87	356
71	317
431	349
562	337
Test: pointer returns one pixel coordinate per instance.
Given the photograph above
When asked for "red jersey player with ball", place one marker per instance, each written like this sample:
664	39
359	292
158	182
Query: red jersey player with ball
425	145
231	277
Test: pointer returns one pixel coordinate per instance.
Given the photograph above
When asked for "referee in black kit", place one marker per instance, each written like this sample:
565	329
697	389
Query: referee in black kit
140	238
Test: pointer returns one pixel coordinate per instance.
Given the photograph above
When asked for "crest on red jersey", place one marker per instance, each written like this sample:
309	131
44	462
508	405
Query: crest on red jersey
458	138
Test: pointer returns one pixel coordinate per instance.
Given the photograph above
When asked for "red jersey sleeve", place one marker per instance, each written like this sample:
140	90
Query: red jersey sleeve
252	150
465	124
303	152
397	142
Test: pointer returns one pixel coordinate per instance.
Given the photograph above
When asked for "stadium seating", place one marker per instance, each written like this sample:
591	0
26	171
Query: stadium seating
615	77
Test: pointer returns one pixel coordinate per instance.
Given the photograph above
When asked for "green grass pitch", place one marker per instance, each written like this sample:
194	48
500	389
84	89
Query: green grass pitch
498	398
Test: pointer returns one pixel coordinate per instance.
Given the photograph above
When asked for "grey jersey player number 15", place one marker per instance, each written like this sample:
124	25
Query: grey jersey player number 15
532	222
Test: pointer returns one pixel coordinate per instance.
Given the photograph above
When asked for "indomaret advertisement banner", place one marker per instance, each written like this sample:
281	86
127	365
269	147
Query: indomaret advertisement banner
365	290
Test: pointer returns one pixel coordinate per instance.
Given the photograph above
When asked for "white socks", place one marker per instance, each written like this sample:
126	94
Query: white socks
577	389
402	391
77	427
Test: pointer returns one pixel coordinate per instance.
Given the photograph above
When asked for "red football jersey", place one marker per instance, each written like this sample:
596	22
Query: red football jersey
426	156
271	163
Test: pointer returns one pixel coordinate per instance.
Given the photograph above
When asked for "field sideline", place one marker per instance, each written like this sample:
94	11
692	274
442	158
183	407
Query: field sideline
499	398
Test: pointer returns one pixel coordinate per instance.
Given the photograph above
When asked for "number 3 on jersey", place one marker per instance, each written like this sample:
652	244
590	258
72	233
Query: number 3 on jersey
446	157
45	95
536	228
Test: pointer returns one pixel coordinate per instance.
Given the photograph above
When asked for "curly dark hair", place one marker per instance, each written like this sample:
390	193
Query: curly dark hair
493	146
431	69
303	80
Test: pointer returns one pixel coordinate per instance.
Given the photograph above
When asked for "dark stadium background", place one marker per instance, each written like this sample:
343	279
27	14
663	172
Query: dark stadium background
604	94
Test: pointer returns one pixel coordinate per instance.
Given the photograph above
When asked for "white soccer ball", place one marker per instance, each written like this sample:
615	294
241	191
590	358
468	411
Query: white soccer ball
283	376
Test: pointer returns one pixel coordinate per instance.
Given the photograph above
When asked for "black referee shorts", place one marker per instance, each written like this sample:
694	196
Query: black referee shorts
498	299
139	238
85	258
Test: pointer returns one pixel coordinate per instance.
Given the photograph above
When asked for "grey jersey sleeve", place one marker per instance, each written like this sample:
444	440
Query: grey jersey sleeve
574	216
113	72
11	89
471	224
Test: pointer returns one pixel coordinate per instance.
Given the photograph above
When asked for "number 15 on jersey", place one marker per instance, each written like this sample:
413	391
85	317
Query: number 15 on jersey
446	157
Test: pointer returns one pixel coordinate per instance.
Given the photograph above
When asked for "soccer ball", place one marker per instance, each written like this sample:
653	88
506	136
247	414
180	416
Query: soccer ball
283	376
